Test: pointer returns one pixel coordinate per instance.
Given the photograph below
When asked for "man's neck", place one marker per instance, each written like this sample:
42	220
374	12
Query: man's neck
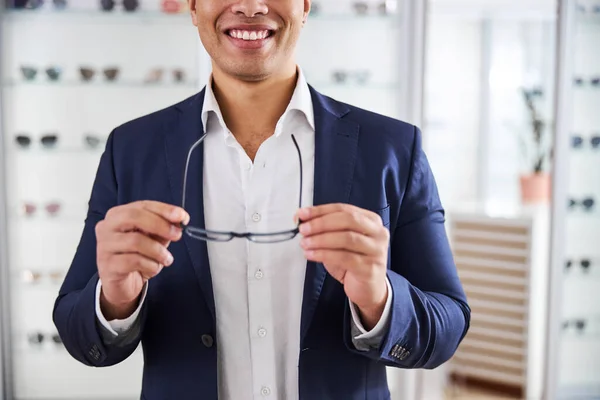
253	108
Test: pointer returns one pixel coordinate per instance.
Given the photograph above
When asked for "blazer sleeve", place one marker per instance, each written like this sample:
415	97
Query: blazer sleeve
429	314
74	310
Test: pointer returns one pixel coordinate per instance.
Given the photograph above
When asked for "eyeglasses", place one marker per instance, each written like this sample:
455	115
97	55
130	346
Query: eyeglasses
577	324
223	236
155	75
48	141
577	141
29	209
128	5
37	338
87	73
585	264
587	203
30	72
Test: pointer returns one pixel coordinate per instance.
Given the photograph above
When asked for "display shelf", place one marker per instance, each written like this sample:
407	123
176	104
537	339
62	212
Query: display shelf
125	84
58	151
73	15
42	218
157	16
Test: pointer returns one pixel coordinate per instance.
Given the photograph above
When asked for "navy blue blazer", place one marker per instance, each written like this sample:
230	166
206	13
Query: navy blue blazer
361	158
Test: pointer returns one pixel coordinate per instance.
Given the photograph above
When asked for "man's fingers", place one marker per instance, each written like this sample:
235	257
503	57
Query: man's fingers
308	213
126	263
173	214
135	242
141	219
341	240
341	221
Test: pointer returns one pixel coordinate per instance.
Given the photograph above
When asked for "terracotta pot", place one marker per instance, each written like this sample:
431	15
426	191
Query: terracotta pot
535	188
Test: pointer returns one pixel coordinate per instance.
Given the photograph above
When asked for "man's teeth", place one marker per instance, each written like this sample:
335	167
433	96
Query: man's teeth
248	35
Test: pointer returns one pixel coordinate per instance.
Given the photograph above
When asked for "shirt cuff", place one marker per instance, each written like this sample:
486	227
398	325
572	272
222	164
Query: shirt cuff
118	326
378	330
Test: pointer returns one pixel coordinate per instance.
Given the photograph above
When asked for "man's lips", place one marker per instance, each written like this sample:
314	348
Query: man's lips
249	36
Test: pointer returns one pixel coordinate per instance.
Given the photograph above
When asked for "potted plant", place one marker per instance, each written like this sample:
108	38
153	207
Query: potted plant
536	144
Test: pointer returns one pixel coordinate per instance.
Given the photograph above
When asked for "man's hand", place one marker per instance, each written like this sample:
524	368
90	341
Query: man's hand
132	243
352	243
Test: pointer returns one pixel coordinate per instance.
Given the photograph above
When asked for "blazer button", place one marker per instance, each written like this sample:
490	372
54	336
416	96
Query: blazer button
207	340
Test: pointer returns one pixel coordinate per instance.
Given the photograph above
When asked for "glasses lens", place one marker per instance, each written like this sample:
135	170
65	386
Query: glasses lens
36	338
111	73
53	208
29	73
29	209
53	73
588	203
201	234
86	73
92	141
595	141
23	141
273	237
178	75
130	5
49	140
107	5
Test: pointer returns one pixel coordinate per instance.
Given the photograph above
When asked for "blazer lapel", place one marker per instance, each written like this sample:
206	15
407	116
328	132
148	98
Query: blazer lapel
336	147
178	141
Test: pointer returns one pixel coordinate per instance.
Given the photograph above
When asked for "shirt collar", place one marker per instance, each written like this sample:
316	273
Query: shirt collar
301	101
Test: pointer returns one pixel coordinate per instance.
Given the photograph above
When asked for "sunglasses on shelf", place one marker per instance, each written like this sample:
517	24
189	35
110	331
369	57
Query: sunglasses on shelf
173	6
38	338
92	141
577	141
29	72
30	209
342	76
35	4
586	203
33	277
47	141
585	264
128	5
576	324
580	81
87	73
362	8
156	75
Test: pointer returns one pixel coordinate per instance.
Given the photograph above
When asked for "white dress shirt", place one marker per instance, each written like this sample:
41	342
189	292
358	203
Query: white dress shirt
257	287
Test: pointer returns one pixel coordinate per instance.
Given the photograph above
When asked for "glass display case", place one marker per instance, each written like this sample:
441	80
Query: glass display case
71	71
574	344
488	126
357	52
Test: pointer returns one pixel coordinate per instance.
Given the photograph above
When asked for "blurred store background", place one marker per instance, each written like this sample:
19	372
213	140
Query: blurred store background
507	93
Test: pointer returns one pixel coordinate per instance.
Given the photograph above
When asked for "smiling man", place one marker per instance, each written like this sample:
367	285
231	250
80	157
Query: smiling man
261	240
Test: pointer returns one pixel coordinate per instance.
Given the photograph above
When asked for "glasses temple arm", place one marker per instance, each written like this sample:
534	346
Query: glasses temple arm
185	174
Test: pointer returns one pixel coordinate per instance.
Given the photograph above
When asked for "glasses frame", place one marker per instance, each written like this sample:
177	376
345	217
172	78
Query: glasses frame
226	236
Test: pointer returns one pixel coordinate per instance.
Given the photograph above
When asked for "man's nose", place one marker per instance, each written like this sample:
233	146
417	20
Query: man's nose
250	8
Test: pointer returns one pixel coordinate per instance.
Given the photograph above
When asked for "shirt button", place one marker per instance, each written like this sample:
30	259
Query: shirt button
259	274
256	217
262	332
248	166
207	340
265	391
